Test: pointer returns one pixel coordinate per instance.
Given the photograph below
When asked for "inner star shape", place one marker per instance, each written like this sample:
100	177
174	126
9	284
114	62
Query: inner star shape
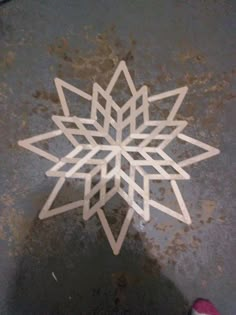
118	150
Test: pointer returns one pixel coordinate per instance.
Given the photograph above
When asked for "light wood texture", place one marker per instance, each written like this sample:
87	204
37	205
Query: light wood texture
128	151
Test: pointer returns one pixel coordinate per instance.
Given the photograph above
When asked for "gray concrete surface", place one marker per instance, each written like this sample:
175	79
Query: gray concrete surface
164	265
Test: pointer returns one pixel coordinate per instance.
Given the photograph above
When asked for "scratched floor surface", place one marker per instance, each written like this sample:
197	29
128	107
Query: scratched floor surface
64	265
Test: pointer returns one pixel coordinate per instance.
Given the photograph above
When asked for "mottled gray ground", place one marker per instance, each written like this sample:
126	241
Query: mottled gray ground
164	265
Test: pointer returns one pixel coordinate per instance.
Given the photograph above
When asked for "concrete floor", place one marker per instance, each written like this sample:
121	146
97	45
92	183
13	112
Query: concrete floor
164	265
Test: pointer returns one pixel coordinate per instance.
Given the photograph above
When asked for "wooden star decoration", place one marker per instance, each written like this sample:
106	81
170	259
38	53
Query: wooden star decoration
122	150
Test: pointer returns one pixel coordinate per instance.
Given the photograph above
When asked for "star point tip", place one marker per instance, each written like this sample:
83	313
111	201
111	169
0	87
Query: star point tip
188	221
95	85
146	217
57	80
116	252
54	117
41	216
85	216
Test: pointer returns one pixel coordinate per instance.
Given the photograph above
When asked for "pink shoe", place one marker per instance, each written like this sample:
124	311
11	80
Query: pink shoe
204	307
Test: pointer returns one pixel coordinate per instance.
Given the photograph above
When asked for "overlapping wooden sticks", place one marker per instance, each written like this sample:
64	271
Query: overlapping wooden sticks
121	151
